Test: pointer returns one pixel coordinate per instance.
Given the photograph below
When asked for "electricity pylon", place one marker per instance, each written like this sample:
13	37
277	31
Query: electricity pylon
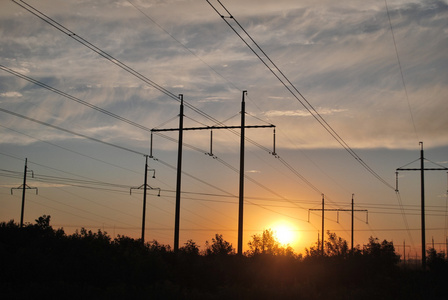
145	186
243	126
24	187
404	249
323	209
422	170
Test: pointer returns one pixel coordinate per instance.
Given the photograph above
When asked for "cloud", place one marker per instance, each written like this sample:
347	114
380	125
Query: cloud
11	95
301	113
341	57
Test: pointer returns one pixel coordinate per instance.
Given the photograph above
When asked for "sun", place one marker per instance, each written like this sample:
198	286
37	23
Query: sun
285	233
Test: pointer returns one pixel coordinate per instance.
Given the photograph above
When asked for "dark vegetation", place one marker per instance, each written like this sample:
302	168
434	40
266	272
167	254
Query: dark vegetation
38	261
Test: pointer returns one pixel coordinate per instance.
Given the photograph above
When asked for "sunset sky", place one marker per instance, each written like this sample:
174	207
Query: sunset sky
340	55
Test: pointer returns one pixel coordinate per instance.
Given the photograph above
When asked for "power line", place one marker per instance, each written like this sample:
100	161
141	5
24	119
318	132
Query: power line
107	56
231	83
96	203
68	96
401	69
135	124
70	150
194	148
117	62
73	182
83	210
172	167
78	182
182	44
71	34
64	211
246	176
403	215
66	180
69	131
92	47
58	170
294	91
295	172
130	70
66	33
113	60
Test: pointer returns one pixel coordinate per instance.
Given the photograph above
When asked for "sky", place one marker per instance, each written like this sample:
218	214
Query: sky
378	76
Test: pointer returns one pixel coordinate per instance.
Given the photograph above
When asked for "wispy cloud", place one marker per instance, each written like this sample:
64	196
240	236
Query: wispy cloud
301	113
11	95
341	57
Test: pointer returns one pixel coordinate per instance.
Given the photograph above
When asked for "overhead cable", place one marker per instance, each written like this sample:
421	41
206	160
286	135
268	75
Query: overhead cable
276	71
120	64
71	132
68	96
92	47
401	70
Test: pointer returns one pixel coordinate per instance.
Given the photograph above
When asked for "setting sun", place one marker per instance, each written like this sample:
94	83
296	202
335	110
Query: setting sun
285	233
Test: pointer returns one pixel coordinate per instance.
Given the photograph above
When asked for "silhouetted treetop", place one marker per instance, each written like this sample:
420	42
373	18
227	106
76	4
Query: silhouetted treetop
267	243
219	246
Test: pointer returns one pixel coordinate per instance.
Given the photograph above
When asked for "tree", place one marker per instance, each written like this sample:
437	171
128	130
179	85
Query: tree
436	261
99	237
314	250
219	246
267	243
334	246
155	246
43	222
190	248
43	225
380	255
384	250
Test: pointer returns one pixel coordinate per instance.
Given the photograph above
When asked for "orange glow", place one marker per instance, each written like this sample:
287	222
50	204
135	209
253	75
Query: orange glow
285	233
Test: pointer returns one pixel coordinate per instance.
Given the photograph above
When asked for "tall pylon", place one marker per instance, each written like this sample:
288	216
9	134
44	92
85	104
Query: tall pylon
243	126
422	170
241	186
323	209
24	187
179	175
145	187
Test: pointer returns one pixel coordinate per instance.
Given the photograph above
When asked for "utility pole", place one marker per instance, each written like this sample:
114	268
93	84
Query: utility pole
241	190
323	209
353	219
422	170
145	186
404	249
179	175
24	187
243	126
323	222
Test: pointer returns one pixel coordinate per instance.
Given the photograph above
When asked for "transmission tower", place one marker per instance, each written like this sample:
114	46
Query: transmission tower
24	187
145	186
243	126
422	170
323	209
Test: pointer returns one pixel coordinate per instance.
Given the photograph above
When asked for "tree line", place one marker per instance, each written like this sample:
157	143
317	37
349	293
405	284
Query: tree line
40	261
